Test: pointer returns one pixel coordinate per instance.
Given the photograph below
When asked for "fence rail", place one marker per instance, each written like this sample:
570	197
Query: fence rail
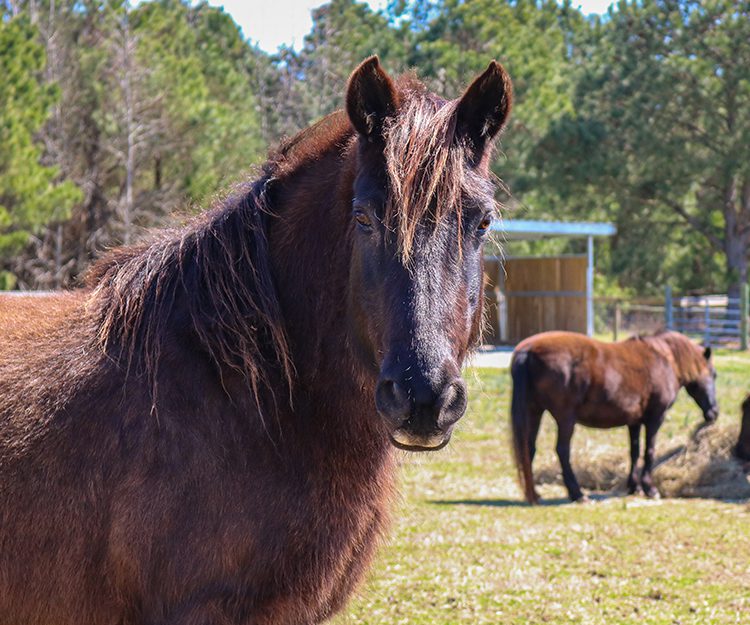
715	319
26	293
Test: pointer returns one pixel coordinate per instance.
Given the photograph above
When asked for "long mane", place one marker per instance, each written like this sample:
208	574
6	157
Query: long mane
684	355
217	271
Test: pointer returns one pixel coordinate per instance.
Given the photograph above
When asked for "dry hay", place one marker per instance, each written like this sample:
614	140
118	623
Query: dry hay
701	465
705	467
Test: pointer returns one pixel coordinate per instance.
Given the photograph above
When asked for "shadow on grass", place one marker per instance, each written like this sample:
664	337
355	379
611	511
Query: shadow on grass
519	503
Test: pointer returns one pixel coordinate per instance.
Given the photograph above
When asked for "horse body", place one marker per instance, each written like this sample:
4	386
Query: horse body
312	502
617	391
601	385
136	550
205	434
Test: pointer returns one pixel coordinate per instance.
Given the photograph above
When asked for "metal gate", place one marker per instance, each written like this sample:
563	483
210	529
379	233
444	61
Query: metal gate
718	320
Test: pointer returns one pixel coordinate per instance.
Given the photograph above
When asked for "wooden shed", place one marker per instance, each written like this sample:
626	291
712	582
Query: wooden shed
531	294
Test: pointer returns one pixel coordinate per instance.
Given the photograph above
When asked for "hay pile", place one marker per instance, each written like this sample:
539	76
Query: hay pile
602	469
701	465
705	467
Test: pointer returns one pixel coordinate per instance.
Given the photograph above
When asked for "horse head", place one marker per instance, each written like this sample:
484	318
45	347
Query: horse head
422	207
702	388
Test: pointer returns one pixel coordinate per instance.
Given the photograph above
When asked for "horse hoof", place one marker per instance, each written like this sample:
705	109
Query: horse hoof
581	499
652	493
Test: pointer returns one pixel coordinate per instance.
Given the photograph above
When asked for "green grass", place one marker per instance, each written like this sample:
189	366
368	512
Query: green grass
465	549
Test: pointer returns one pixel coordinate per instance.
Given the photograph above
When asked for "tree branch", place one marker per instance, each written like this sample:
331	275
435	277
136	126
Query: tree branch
715	241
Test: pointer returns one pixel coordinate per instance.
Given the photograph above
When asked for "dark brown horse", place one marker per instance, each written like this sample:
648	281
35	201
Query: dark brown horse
742	450
205	434
603	385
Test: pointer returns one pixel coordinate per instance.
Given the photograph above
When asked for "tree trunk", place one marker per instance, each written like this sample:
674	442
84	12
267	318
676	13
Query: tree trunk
736	237
736	264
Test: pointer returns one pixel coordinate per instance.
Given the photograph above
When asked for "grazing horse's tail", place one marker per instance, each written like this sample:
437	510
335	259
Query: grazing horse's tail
519	419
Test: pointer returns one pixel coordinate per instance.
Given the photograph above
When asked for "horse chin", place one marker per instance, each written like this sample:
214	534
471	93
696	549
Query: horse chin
402	439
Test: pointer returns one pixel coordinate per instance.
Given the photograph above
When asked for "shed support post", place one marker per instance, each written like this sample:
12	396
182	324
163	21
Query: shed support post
590	286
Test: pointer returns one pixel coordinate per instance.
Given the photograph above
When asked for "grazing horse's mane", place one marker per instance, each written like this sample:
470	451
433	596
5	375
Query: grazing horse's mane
218	265
682	353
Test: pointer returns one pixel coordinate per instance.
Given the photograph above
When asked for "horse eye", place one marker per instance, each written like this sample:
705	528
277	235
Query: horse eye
485	224
363	220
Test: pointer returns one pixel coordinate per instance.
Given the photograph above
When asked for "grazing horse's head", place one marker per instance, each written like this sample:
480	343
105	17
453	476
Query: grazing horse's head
421	210
702	388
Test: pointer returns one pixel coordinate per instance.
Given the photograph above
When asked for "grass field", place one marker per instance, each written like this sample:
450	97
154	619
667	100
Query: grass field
465	549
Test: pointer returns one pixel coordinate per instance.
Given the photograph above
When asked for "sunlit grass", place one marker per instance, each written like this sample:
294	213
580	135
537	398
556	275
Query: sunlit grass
464	549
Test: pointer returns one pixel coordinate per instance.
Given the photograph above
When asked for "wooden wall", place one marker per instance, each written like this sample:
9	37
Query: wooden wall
541	294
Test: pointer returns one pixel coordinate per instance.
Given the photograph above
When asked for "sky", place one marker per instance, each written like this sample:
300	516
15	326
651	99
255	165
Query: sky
271	23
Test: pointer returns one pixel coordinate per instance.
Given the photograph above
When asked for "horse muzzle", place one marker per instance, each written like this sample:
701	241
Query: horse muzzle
420	419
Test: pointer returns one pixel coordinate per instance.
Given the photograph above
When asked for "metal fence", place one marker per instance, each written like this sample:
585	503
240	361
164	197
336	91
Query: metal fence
26	293
621	318
716	320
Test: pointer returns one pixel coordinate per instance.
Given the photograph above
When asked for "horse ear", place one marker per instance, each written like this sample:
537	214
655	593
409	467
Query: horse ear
484	109
370	98
707	353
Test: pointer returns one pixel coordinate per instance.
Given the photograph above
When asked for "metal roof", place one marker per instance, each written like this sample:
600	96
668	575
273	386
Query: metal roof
520	229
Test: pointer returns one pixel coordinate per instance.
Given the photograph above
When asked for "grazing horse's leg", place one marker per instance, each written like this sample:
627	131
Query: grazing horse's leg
535	420
565	427
652	427
635	451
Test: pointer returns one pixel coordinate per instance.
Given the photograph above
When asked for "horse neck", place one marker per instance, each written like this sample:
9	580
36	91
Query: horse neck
310	247
679	355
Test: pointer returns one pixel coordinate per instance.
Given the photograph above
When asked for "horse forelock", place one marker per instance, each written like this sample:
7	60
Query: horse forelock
427	164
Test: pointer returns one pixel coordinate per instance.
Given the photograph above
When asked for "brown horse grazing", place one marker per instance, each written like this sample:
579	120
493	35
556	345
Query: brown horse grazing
603	385
205	434
742	450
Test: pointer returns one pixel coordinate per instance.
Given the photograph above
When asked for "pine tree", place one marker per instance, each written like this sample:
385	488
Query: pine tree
31	194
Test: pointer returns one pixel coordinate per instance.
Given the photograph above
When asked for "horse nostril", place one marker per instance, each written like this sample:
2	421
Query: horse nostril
452	402
392	400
